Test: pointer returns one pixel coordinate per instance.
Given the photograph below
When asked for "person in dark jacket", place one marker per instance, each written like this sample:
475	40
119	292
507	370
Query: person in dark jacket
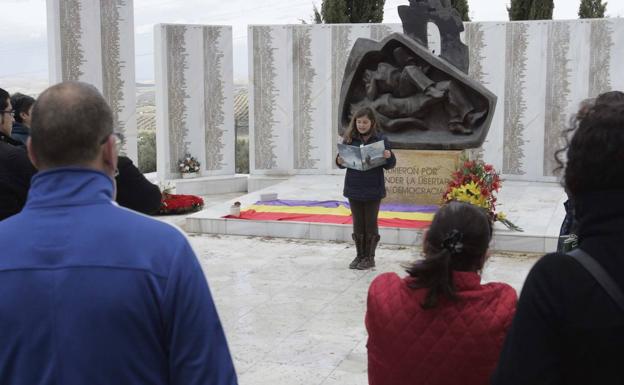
134	191
365	189
98	294
6	113
440	325
16	170
567	329
567	234
22	106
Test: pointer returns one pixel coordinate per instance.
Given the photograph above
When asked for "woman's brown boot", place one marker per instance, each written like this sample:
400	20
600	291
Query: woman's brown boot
368	262
359	247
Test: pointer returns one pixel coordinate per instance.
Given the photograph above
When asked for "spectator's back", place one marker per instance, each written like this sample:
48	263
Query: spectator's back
99	294
440	325
567	330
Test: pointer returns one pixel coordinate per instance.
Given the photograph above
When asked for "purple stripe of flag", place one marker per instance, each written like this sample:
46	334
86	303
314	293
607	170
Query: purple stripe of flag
408	208
280	202
397	207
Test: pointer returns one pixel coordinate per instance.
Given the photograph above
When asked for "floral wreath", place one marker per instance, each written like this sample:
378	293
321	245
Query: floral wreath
172	204
477	183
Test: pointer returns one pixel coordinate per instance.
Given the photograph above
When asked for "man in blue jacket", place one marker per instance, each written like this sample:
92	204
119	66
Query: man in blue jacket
98	294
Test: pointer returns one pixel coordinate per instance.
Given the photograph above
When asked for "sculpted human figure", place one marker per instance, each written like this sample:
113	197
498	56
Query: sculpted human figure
403	94
420	99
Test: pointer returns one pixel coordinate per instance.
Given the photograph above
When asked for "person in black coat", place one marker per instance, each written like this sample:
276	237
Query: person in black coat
16	170
22	106
569	224
567	329
365	189
134	191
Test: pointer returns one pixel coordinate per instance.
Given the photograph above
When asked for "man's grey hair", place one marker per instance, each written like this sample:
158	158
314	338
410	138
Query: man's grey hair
70	121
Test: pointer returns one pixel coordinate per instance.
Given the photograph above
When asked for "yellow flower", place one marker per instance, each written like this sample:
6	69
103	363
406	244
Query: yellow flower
470	193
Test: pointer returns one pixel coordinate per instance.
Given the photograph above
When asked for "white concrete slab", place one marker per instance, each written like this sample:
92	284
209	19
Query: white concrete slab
259	182
194	98
210	185
292	311
88	41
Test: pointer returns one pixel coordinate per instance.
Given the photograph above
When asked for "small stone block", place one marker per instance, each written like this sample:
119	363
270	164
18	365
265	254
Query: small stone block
268	197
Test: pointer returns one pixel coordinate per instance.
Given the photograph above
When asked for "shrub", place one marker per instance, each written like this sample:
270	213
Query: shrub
147	151
242	156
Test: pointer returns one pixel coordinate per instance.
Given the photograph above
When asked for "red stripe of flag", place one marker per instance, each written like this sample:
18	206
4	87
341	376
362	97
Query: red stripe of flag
325	218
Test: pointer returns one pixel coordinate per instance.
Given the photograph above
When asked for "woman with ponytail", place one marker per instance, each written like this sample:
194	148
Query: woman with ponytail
440	325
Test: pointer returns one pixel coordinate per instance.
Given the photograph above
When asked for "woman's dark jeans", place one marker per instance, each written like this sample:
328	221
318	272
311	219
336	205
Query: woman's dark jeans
365	216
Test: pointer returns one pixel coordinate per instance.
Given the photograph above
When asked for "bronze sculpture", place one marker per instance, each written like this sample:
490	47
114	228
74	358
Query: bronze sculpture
420	100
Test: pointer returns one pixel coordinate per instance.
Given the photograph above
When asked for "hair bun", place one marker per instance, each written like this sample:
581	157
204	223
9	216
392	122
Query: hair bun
453	242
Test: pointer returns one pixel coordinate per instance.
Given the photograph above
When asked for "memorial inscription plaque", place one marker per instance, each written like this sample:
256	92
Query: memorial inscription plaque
420	177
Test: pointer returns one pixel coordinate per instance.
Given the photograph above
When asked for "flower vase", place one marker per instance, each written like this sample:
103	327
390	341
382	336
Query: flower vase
189	175
235	211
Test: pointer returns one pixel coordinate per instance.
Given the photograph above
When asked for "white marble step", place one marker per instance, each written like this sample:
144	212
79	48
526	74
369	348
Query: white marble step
537	207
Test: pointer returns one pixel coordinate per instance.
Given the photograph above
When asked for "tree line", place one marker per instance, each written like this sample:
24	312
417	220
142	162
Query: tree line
371	11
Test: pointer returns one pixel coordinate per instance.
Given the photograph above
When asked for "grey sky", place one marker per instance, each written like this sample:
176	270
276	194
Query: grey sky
23	44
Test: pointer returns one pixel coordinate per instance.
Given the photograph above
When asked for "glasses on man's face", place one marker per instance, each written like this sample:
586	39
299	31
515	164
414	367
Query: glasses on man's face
119	139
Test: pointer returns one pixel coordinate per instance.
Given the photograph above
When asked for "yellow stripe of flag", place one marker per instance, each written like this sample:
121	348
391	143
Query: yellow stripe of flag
341	210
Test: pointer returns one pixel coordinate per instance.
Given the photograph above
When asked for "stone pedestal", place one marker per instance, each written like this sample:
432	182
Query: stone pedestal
420	177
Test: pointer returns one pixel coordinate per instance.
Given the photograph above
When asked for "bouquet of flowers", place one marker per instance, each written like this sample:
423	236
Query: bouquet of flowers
477	183
188	164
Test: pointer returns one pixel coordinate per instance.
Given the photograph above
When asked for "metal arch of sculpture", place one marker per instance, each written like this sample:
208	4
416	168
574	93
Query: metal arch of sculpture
421	101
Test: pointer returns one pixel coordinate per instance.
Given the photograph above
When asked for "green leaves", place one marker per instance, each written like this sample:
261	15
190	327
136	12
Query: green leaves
462	7
592	9
350	11
531	10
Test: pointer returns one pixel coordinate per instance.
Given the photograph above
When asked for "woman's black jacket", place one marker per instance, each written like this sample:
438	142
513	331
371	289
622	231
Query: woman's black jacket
370	184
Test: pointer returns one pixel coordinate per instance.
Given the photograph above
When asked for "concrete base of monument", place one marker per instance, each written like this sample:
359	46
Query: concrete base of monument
208	185
420	176
259	182
535	207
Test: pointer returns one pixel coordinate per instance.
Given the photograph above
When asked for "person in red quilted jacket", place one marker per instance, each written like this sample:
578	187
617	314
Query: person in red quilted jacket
440	325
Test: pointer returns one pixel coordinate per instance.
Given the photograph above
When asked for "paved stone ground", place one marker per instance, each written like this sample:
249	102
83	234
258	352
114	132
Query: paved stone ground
292	310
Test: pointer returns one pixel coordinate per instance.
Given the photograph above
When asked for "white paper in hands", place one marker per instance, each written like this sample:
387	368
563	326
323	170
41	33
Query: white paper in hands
364	157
